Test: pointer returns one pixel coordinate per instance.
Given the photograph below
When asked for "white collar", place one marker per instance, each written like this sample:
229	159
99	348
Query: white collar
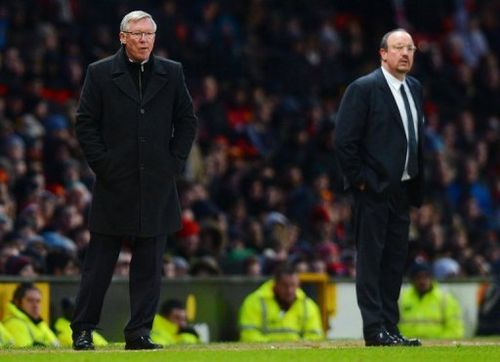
392	80
142	63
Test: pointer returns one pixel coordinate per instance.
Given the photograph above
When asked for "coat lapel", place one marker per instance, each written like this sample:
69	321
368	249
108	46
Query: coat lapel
121	77
389	98
156	82
418	105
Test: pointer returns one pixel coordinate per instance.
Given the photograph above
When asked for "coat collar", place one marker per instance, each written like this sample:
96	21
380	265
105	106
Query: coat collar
121	77
391	102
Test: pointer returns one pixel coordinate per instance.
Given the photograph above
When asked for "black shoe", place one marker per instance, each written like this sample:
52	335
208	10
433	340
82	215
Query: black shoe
143	342
383	338
405	341
82	340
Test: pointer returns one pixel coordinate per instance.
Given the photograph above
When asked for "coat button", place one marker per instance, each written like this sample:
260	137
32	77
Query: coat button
141	166
143	111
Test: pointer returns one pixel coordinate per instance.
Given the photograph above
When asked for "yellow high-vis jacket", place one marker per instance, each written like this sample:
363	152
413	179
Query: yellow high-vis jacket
62	327
262	320
25	332
437	314
165	332
6	338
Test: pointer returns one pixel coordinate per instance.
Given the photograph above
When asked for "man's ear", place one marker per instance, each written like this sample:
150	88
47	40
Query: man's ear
383	55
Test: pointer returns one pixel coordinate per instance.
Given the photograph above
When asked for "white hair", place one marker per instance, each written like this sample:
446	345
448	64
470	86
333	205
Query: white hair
134	16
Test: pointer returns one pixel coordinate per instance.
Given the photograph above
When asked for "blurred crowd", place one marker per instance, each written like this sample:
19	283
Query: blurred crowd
262	184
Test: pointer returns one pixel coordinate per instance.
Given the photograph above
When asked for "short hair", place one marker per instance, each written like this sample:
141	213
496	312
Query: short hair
284	269
383	41
134	16
21	291
169	305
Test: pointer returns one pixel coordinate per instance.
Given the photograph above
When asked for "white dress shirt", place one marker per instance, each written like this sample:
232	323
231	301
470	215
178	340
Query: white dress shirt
395	85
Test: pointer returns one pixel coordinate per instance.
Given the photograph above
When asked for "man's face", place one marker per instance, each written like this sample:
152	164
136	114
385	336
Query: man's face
397	59
285	288
422	282
139	39
31	303
178	316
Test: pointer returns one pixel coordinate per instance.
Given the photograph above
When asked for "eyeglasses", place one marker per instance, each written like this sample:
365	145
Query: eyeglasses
399	48
139	34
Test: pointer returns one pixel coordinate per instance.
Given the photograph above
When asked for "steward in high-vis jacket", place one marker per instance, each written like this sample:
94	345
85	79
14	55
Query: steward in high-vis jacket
427	311
280	311
23	320
62	325
6	339
170	326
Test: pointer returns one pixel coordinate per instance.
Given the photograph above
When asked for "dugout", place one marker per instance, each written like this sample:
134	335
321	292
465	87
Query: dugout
216	302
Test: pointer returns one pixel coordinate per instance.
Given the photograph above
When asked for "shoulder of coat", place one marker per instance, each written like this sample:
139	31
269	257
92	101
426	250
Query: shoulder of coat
413	81
168	64
104	61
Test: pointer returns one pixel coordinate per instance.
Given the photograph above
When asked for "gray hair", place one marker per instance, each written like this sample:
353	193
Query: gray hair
134	16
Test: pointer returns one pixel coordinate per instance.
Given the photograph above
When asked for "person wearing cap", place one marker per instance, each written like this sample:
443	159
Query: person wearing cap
428	311
170	325
23	319
135	124
280	311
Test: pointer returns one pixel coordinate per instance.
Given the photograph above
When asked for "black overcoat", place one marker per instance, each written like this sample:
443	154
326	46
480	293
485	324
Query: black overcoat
135	146
370	138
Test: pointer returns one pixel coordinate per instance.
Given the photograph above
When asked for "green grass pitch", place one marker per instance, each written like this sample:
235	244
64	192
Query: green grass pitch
471	350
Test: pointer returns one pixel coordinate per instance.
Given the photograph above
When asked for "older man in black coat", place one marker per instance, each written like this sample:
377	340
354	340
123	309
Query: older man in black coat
136	125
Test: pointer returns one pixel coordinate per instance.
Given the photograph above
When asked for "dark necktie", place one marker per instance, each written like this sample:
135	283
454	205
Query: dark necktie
412	139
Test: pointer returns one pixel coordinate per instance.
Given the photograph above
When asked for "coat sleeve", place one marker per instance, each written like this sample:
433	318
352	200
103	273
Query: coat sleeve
349	130
63	332
88	127
49	338
160	332
99	340
453	326
250	323
19	331
6	338
313	330
184	123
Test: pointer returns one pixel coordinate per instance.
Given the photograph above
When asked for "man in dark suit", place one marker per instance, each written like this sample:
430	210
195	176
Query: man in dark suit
136	125
379	145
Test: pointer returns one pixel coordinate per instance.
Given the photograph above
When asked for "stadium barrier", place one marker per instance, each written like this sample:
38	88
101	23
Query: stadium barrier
216	302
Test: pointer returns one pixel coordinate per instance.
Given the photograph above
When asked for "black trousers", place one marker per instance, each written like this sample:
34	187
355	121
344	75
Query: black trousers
381	226
144	282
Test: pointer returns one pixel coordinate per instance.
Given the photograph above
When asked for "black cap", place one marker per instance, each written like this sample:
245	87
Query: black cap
418	268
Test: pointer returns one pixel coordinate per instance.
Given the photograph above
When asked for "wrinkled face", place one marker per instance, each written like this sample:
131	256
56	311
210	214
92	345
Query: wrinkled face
286	287
397	59
139	39
31	303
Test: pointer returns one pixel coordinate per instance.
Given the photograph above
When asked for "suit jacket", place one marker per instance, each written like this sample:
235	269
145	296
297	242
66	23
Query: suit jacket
370	137
135	146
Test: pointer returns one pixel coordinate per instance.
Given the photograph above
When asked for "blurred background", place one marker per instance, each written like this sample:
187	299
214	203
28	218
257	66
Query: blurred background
262	184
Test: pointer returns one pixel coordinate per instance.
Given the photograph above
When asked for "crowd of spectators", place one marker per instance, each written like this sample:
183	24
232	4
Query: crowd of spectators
262	184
